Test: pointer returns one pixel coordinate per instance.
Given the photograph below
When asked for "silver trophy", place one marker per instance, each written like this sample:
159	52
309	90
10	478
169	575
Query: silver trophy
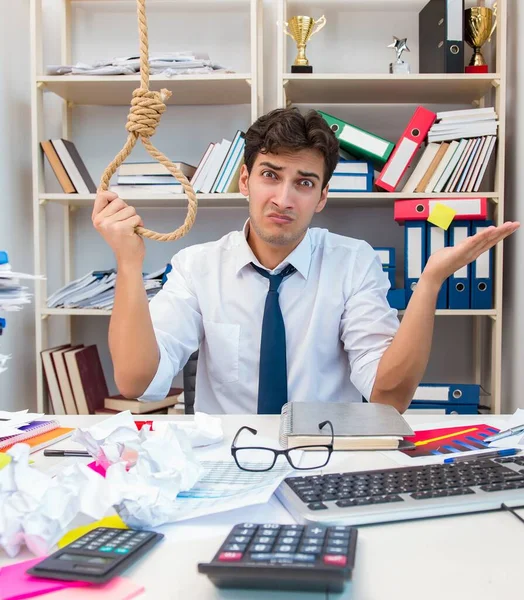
399	66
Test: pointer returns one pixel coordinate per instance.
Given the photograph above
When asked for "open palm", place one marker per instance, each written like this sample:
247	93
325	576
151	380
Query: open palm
445	262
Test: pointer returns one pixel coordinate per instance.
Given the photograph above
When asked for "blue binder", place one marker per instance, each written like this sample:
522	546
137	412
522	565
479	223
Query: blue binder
444	393
387	257
460	282
415	233
397	298
482	273
449	408
436	240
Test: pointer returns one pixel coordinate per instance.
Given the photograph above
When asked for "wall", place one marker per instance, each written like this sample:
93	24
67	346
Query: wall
185	131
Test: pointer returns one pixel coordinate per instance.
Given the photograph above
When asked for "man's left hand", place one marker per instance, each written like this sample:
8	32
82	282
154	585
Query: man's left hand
445	262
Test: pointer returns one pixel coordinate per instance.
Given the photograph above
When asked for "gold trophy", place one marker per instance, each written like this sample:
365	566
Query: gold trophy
301	29
479	25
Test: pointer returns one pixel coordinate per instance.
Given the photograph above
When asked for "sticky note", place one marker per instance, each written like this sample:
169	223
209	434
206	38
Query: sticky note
74	534
441	215
5	459
118	588
16	584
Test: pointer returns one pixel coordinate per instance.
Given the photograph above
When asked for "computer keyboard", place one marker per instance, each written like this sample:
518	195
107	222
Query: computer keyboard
403	493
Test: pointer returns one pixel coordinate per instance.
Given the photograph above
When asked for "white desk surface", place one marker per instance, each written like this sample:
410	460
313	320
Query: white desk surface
476	557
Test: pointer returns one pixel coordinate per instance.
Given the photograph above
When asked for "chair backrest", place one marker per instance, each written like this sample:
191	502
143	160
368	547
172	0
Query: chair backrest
189	374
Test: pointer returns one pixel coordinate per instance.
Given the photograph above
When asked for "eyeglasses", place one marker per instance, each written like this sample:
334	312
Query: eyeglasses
259	458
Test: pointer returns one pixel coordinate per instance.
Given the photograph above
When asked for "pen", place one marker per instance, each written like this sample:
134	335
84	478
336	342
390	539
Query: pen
493	454
66	453
506	433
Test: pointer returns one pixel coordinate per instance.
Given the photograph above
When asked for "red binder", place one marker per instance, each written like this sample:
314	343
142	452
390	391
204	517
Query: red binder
408	144
419	210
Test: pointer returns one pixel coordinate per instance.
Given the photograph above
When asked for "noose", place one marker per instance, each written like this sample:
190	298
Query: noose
146	109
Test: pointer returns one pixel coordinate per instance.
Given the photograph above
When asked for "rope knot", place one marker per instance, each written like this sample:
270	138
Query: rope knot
146	109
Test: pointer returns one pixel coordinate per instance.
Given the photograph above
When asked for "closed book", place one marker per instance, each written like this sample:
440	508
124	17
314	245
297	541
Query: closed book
421	186
87	379
42	439
357	426
51	377
74	166
450	151
359	142
422	166
154	168
58	168
64	382
138	407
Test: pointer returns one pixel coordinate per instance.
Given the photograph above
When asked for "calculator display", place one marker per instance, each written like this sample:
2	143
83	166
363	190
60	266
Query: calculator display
99	560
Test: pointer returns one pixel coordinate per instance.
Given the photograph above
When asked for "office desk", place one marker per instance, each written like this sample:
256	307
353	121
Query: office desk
465	557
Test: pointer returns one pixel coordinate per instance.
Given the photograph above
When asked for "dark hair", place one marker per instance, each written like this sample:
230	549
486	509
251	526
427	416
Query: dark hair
287	129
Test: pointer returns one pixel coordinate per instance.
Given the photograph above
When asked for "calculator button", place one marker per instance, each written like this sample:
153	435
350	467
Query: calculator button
247	525
334	550
239	539
290	533
337	543
309	541
268	532
315	531
122	550
310	549
261	547
288	540
235	547
316	506
286	547
335	560
271	526
243	531
263	539
105	549
340	528
230	556
76	546
338	535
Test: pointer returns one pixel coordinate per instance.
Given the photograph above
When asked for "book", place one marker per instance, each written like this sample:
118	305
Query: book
154	168
64	382
138	407
51	377
58	168
74	166
357	426
421	186
40	436
422	166
87	379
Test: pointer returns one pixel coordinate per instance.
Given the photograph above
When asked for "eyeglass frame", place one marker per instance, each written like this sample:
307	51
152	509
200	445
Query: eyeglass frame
285	452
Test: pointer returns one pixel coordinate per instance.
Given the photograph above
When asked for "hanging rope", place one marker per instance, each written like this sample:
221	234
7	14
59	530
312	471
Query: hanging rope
146	109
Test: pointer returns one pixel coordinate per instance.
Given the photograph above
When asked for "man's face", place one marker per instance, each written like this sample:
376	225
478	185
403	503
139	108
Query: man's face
285	191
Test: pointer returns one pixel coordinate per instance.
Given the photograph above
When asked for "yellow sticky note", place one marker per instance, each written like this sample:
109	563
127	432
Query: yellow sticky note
441	215
74	534
5	459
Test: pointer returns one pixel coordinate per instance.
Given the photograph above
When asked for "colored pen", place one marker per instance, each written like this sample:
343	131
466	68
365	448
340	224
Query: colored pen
66	453
504	434
479	455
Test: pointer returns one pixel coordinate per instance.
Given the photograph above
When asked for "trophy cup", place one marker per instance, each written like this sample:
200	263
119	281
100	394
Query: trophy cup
399	66
479	25
301	29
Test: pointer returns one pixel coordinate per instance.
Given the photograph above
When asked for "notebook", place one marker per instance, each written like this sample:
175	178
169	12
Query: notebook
357	426
38	435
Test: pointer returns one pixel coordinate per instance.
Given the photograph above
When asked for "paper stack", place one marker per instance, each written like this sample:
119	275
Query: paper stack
96	289
12	294
167	64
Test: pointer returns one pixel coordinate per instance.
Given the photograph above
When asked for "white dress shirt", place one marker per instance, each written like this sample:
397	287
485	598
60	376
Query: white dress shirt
337	319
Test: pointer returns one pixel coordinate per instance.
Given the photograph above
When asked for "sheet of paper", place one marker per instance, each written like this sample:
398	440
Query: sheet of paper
116	589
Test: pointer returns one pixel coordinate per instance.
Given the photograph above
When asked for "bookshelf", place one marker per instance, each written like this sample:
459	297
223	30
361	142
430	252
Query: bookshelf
75	91
327	87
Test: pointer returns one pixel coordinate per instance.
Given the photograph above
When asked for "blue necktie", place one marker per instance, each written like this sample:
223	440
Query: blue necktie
272	382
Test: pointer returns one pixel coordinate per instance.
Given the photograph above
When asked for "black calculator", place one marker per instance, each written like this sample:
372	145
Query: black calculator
97	556
284	557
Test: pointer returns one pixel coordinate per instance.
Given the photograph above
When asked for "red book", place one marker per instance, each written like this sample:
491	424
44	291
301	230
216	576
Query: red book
87	379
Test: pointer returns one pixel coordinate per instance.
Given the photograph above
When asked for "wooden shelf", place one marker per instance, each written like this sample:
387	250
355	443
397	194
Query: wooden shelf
90	312
239	201
229	88
344	88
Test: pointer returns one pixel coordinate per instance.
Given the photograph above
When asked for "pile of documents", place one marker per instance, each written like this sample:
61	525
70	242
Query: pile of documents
468	123
12	294
167	64
97	290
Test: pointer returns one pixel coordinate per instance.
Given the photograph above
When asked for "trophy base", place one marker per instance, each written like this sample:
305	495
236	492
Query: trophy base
476	69
399	69
301	69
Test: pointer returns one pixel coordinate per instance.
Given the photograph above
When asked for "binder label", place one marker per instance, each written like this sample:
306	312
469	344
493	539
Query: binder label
362	140
396	167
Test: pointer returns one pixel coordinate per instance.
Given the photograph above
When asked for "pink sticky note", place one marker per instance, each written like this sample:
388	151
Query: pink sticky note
97	468
116	589
15	584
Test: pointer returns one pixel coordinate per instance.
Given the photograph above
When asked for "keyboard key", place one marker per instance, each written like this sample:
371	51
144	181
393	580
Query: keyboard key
316	531
287	533
263	539
313	549
235	547
230	556
261	547
335	560
239	539
288	540
243	531
286	547
313	541
333	550
268	532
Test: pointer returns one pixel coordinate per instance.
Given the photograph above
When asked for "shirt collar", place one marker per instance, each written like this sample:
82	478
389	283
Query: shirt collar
300	258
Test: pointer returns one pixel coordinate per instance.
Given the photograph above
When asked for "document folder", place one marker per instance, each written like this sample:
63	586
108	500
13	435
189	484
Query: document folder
438	239
415	233
482	273
459	283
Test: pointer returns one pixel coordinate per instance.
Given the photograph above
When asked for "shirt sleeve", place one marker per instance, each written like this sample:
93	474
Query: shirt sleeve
368	323
177	322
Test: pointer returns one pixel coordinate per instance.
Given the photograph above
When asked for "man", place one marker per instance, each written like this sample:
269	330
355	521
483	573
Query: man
320	329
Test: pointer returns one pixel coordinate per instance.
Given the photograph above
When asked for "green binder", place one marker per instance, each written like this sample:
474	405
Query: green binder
359	142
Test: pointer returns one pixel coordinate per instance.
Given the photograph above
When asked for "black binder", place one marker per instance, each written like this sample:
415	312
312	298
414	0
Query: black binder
441	37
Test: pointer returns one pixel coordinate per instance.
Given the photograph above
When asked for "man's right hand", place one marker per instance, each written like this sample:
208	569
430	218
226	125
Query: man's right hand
116	222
